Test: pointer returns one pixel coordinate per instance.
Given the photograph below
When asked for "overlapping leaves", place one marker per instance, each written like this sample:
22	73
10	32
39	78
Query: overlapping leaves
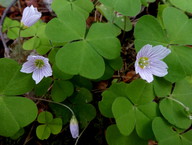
49	125
78	6
86	53
178	34
165	134
16	112
125	7
123	22
183	5
114	137
131	106
177	107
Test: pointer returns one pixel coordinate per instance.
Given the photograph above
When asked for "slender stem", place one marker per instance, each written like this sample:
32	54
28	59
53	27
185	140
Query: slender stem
41	99
180	103
81	134
19	41
6	53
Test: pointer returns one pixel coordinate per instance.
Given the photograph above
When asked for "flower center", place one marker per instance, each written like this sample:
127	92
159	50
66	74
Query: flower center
39	63
143	62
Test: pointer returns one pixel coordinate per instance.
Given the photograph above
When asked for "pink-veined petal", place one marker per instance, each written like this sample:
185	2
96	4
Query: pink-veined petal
144	51
159	68
159	52
28	67
30	16
37	75
146	75
47	71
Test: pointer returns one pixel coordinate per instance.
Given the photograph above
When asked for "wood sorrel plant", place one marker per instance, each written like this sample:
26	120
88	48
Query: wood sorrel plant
81	54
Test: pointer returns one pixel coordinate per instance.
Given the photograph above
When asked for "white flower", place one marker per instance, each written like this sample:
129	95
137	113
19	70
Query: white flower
30	16
149	62
40	67
74	127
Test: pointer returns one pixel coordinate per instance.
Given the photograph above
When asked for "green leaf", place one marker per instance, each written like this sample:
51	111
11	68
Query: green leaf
12	27
82	95
42	87
80	58
61	90
51	125
176	24
109	71
140	92
13	82
149	31
61	112
45	45
116	64
78	6
85	113
114	137
45	117
162	87
175	113
106	44
125	7
178	31
165	134
31	43
115	90
84	57
144	115
18	134
52	54
132	107
120	21
16	112
123	111
55	125
145	2
179	64
183	93
66	29
183	5
34	30
43	132
57	73
81	82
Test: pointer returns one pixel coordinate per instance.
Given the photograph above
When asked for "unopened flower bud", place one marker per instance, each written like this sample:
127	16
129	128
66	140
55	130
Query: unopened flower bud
30	16
74	127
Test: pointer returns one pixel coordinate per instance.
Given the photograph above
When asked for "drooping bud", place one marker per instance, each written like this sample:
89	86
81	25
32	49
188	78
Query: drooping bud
74	127
30	16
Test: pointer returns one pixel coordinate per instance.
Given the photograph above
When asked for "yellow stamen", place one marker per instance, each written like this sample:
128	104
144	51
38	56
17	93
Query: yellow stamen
143	62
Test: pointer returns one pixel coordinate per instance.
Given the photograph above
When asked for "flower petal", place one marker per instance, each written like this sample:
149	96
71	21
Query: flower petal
159	68
28	67
37	75
30	16
158	52
144	51
74	129
47	71
146	75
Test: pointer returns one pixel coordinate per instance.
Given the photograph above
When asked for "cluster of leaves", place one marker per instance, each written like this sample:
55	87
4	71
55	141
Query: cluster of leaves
140	116
80	54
